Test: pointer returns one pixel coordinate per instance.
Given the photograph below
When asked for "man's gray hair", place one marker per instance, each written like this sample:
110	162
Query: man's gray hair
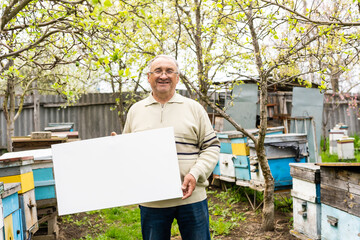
163	56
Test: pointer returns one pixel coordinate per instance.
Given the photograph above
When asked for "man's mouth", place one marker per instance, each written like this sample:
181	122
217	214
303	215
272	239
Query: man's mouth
163	82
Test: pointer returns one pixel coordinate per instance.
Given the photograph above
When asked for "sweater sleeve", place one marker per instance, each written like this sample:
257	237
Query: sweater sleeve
127	128
209	146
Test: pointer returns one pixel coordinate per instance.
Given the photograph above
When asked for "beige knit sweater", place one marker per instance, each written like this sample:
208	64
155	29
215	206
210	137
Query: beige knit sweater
196	143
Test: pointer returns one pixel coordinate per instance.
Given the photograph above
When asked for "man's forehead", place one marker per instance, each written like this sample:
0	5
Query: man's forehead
163	62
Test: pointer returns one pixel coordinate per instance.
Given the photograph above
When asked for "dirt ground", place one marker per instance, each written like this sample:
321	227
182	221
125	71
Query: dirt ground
248	229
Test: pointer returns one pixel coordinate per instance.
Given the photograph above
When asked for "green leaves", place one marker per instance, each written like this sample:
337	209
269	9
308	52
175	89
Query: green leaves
107	3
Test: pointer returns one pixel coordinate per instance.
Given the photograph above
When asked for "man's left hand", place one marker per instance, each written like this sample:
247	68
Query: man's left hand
188	186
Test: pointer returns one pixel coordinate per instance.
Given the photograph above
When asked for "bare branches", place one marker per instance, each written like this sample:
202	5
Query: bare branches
10	13
44	24
213	105
42	38
310	20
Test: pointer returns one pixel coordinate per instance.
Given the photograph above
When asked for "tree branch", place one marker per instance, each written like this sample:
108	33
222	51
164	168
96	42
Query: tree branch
304	18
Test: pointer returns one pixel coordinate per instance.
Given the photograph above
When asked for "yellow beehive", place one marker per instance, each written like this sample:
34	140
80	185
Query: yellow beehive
26	180
240	149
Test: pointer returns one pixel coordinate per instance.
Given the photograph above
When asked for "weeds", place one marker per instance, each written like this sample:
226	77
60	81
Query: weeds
175	228
220	226
283	203
124	222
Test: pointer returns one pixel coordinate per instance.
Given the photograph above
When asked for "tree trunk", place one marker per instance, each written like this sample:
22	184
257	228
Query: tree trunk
9	111
9	134
36	107
268	208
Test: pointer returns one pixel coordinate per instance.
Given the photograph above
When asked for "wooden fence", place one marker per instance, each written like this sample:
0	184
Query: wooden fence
92	115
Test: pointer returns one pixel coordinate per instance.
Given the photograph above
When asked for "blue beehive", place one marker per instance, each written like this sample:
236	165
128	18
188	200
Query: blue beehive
281	150
13	228
337	224
44	183
225	143
225	147
242	168
340	200
42	170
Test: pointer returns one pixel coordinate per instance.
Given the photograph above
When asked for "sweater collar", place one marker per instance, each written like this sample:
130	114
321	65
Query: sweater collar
177	98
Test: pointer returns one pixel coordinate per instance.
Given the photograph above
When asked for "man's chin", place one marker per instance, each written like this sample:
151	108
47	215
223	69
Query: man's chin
164	89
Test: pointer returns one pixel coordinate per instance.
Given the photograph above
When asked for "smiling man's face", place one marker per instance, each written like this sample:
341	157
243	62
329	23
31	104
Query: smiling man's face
163	78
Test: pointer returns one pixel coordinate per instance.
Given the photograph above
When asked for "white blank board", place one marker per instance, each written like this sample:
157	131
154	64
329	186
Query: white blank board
116	171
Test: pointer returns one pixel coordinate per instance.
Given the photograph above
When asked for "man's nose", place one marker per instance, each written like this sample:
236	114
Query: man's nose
163	75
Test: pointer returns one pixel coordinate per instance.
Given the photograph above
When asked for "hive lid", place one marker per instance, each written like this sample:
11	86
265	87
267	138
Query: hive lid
338	164
38	154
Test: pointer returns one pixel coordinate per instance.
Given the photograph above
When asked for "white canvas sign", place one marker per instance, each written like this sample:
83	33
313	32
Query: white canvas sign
116	171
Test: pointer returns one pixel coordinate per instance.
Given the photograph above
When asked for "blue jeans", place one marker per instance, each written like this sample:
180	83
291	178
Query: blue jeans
193	220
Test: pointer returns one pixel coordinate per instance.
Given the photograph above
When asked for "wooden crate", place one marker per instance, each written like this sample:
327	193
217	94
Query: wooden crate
345	148
340	187
225	145
17	169
242	168
47	216
283	146
334	135
26	143
305	171
13	229
26	180
240	149
280	171
217	169
337	224
29	213
306	181
44	183
12	213
307	218
10	199
239	145
227	170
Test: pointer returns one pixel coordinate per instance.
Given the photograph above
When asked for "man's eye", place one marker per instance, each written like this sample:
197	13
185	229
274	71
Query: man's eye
169	71
157	71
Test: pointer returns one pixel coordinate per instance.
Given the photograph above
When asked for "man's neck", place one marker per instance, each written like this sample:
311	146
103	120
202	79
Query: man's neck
162	99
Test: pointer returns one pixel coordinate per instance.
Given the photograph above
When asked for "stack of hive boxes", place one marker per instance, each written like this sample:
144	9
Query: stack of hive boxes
233	164
241	152
43	178
281	150
306	200
225	166
12	217
339	131
18	170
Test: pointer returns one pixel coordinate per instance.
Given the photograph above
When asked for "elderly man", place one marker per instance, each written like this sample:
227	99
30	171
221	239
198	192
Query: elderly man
197	150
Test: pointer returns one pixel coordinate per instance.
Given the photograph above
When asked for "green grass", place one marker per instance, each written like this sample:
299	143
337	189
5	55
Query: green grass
223	216
327	157
121	223
124	222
